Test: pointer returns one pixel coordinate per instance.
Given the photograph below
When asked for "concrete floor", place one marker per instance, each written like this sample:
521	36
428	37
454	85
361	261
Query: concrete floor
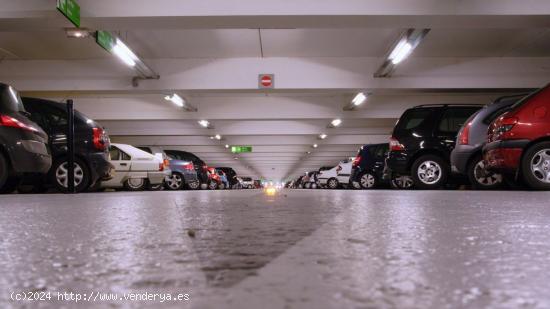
298	249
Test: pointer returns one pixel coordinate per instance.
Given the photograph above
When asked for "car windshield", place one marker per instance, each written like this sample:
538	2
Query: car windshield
10	101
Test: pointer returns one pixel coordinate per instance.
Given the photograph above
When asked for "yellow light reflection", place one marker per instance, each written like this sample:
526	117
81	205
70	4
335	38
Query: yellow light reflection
270	191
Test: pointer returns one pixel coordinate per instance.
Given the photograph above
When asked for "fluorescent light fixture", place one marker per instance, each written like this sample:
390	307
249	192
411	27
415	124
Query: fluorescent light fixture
176	99
124	53
400	52
211	137
336	122
309	152
315	145
226	146
77	33
204	123
323	136
218	137
359	99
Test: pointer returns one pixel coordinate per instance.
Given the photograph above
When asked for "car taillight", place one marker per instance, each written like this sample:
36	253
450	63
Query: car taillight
205	167
356	161
189	166
395	145
100	139
8	121
161	167
464	138
166	162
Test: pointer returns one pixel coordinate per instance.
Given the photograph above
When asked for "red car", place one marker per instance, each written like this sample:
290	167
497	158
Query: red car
214	180
519	141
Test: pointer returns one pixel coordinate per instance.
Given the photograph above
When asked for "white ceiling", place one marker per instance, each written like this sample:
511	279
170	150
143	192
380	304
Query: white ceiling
321	54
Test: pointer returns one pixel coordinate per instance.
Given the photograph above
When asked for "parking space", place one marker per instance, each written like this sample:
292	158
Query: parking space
245	154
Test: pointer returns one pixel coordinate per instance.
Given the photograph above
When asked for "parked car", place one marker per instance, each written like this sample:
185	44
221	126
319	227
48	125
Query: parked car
337	176
248	183
422	142
310	181
214	179
368	166
135	168
183	170
201	169
518	142
91	145
466	157
23	144
258	184
231	177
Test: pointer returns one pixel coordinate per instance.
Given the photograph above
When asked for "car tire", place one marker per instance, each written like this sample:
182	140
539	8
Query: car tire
212	185
4	172
135	184
367	181
59	175
307	185
402	182
535	166
480	178
174	182
194	185
157	187
333	183
221	186
314	186
430	172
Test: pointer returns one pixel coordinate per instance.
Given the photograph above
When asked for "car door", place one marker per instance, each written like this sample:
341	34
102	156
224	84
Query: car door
122	163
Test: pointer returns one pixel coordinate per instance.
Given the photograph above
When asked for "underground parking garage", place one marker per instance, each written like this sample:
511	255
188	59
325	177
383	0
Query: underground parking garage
294	154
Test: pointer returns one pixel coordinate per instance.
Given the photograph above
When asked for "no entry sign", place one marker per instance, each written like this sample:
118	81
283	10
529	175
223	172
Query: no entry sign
266	81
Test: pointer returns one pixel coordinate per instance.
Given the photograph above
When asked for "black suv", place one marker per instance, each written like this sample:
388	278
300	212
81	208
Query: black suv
368	166
23	144
91	145
422	142
200	167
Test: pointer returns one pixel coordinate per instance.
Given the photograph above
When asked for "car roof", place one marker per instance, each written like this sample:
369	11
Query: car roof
448	105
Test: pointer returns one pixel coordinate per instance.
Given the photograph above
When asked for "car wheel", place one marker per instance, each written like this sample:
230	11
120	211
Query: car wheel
333	183
194	185
402	182
314	186
59	175
212	185
535	166
222	186
174	182
480	177
307	185
250	187
430	172
135	184
367	181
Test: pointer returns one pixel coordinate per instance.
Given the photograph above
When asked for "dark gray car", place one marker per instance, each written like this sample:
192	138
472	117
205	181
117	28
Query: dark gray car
466	157
23	144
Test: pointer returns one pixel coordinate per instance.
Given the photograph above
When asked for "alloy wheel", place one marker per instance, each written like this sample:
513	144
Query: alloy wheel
403	182
540	166
193	185
174	182
485	177
367	181
62	174
429	172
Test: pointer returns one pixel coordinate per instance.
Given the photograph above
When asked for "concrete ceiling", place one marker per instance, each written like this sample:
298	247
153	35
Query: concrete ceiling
322	54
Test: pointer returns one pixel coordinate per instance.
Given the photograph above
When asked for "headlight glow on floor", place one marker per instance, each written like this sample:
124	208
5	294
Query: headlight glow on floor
270	191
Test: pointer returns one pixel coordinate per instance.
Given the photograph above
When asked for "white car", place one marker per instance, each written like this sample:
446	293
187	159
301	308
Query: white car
248	183
336	176
135	168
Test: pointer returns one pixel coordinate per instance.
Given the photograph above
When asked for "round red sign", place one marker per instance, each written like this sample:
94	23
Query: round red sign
266	81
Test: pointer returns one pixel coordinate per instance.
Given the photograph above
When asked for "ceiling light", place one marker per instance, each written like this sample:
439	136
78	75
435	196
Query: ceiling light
309	152
336	122
323	136
124	53
401	51
315	145
176	99
226	146
403	48
359	99
218	137
204	123
211	137
77	33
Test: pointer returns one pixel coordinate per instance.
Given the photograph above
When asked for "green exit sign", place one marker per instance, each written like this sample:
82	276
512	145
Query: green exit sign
71	10
105	39
241	149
